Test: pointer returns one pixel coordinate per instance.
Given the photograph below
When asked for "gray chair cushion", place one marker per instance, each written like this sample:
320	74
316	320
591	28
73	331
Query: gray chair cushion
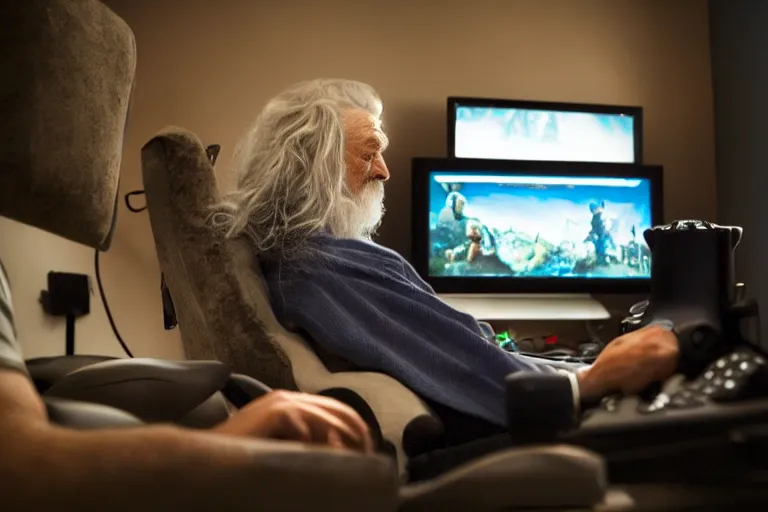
218	318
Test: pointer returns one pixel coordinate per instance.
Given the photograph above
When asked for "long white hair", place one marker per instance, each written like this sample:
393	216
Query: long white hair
291	169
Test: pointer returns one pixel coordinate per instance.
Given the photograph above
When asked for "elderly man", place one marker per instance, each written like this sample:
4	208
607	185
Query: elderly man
310	193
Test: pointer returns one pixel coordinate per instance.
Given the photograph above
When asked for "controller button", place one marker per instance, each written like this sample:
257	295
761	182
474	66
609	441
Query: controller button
728	373
748	367
718	381
730	384
639	308
667	325
631	323
720	363
709	375
736	356
709	390
658	404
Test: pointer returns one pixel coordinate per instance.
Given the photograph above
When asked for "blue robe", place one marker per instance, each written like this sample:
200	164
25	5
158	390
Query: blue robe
366	304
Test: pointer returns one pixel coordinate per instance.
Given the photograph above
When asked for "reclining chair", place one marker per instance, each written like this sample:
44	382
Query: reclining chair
222	305
61	151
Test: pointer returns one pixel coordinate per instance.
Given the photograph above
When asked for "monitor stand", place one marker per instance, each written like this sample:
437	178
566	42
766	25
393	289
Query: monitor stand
532	306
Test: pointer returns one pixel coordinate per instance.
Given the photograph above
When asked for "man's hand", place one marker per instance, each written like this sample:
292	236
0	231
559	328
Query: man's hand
301	417
631	362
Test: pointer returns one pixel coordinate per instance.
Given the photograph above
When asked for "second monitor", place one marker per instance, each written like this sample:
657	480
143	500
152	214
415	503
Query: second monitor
503	227
534	130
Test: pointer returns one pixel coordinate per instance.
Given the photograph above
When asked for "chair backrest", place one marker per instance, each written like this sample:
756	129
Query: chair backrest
64	96
222	304
217	321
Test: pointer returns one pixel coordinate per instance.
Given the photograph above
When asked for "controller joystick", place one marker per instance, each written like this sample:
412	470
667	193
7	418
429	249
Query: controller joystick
693	291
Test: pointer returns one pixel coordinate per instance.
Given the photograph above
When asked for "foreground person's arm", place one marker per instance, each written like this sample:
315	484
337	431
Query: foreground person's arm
150	468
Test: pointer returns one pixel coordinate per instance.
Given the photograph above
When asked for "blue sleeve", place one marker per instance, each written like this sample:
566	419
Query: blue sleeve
413	337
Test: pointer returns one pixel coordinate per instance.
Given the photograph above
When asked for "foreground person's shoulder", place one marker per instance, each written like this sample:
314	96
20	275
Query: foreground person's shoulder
10	353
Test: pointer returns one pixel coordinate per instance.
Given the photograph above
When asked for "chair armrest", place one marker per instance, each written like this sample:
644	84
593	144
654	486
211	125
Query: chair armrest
298	477
151	389
394	405
45	371
82	415
288	476
540	477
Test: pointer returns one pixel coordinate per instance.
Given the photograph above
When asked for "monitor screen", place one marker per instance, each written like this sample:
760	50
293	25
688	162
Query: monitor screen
527	224
503	130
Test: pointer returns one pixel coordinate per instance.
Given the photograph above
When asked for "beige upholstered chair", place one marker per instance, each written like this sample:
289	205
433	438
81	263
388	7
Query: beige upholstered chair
221	302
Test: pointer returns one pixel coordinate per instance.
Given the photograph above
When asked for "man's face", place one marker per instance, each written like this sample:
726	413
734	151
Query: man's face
366	169
365	143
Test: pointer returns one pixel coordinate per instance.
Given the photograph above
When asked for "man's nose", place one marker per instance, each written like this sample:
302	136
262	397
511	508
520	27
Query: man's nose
380	170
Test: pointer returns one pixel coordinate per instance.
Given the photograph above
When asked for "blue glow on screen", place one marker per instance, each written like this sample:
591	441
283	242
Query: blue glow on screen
505	225
525	134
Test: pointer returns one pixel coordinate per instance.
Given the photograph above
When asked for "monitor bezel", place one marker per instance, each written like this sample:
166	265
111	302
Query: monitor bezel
421	168
588	108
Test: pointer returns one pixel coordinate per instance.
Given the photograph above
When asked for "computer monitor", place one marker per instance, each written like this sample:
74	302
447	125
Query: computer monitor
533	130
492	226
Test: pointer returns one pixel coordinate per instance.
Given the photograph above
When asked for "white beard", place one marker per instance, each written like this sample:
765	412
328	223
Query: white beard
361	214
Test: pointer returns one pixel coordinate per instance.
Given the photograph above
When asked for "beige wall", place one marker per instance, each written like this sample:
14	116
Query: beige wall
210	65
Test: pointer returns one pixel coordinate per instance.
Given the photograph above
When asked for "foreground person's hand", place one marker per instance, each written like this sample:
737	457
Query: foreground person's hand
631	362
301	417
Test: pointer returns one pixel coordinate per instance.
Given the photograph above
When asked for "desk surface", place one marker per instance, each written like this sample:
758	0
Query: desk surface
562	307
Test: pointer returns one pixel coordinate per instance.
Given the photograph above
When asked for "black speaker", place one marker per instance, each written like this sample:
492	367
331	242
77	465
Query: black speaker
67	295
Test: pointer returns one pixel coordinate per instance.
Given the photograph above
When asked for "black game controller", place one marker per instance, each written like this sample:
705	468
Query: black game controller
693	291
710	419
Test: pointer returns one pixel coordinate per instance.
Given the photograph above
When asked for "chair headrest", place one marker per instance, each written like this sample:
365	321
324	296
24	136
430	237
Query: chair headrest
69	72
